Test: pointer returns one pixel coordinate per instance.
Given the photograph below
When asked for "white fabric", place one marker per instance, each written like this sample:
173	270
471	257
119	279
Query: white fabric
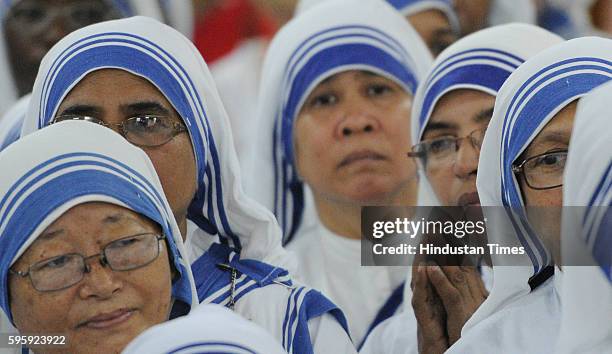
179	15
10	123
504	141
587	293
332	263
252	224
275	81
237	76
506	11
209	328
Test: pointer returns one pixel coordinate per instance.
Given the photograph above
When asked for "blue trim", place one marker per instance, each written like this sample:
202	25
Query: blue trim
201	347
400	5
388	309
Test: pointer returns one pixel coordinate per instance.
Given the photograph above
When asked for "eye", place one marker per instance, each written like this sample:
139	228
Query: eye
551	161
322	100
54	263
441	145
125	242
29	14
147	124
379	89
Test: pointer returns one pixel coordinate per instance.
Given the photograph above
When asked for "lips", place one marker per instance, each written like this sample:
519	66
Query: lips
467	199
108	320
360	156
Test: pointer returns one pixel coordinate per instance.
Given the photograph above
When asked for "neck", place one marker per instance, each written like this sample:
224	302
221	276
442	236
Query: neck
344	217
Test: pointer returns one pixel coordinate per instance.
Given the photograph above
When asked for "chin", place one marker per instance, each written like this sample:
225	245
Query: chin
374	191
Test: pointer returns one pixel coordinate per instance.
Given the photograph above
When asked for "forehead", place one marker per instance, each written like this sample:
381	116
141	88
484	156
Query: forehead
353	75
462	107
113	86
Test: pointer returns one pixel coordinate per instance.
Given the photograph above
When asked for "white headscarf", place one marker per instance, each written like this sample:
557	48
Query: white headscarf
207	329
149	49
587	291
330	38
8	88
49	172
529	99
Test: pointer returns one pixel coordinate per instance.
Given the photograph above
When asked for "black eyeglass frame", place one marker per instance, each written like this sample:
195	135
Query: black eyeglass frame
519	169
87	267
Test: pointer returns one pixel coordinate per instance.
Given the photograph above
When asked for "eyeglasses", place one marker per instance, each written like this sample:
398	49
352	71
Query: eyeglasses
544	171
144	131
443	150
64	271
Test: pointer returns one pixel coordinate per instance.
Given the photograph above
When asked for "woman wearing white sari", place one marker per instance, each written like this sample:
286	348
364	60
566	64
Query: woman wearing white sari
521	166
456	100
68	192
365	53
148	82
587	290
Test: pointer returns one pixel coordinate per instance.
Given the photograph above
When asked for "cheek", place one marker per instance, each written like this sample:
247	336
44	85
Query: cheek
38	312
155	288
311	146
544	198
440	182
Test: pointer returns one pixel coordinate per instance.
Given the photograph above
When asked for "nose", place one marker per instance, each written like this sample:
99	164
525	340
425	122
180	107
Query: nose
100	282
466	162
357	118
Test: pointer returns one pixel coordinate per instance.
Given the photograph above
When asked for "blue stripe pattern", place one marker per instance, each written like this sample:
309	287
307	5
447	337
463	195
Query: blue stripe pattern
142	57
62	179
400	5
483	68
530	108
316	58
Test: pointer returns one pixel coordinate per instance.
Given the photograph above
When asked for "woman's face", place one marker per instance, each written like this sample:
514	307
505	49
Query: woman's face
106	309
544	206
351	138
113	96
435	29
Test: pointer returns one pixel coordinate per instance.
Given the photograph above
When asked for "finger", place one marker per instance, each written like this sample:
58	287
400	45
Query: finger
449	295
459	279
474	280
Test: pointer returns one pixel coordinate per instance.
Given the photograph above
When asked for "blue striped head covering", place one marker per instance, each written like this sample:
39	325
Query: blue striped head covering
590	150
528	100
330	38
151	50
48	172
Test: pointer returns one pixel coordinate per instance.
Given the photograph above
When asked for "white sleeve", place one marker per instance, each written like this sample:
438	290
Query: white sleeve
328	336
396	335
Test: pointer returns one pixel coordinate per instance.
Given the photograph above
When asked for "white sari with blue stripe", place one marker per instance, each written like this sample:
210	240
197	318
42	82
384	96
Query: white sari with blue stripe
522	312
587	290
48	173
330	38
478	62
248	234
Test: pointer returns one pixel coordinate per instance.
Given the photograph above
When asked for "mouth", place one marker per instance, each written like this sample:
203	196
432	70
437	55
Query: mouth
468	199
365	155
107	320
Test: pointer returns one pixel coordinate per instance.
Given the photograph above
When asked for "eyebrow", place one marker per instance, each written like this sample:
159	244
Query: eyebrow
149	107
558	136
113	219
48	235
433	126
483	116
82	110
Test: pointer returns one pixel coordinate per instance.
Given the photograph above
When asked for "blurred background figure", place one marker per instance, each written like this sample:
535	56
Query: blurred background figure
28	28
237	74
576	18
478	14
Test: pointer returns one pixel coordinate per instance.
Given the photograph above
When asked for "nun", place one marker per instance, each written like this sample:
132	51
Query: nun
148	82
521	167
450	114
91	250
434	20
334	114
587	290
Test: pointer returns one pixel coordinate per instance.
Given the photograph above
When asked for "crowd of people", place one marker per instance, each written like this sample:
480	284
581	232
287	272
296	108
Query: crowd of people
151	202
